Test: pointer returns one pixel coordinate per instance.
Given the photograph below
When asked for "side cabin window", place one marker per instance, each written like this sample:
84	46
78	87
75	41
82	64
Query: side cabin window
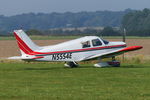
96	42
86	44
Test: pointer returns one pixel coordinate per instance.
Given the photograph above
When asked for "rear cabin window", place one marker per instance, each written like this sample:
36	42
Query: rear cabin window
86	44
96	42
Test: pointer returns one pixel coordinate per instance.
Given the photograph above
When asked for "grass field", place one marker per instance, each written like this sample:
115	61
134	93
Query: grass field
47	81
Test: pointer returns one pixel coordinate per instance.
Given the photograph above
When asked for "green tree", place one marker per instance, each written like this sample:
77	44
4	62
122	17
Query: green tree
137	23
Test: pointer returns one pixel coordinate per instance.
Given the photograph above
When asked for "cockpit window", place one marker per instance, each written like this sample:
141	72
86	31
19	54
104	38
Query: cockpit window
86	44
105	41
96	42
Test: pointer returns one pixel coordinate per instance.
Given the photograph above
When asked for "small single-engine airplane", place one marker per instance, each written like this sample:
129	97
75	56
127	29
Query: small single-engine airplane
73	51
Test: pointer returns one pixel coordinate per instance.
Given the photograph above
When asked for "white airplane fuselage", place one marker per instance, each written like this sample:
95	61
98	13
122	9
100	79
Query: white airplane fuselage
81	49
73	50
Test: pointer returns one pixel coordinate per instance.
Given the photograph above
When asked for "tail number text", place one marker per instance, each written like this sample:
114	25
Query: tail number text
61	56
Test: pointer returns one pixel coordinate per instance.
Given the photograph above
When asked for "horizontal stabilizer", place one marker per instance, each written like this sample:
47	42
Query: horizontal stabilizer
15	57
25	58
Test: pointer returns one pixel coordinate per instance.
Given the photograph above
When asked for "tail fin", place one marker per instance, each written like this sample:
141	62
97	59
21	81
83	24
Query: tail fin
24	42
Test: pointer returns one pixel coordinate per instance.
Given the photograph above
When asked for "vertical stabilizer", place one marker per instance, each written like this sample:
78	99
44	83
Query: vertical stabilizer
25	44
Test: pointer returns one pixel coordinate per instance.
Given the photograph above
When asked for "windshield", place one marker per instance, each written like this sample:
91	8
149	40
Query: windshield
105	41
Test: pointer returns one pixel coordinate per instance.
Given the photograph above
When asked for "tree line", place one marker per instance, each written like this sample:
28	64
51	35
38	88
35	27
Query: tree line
137	23
106	31
42	21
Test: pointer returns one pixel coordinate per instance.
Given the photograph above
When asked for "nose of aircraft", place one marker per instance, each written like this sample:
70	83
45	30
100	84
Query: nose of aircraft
123	43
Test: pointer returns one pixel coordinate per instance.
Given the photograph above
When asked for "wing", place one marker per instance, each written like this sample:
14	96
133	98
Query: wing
115	52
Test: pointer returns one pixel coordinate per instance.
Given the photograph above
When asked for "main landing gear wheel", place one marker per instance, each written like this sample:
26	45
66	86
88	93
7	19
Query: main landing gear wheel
113	63
71	64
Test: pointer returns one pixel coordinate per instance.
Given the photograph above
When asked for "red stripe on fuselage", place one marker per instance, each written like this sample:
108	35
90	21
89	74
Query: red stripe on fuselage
78	50
37	57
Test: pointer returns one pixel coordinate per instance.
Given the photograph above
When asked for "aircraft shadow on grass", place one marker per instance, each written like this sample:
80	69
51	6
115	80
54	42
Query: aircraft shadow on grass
58	68
85	67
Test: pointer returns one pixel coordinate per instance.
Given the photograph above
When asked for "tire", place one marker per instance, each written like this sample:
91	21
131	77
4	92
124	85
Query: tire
114	63
72	64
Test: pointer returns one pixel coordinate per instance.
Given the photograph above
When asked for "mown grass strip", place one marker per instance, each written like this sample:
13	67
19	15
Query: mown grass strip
36	81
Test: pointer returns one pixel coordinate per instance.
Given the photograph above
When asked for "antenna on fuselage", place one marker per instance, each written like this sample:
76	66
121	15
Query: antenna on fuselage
124	35
124	40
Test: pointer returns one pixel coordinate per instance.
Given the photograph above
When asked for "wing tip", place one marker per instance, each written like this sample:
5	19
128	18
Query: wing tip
132	48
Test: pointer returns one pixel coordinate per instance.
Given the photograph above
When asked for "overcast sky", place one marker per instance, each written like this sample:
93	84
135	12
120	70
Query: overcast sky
13	7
